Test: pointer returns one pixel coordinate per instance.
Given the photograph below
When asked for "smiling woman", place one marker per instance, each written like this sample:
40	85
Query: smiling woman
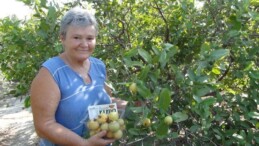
14	7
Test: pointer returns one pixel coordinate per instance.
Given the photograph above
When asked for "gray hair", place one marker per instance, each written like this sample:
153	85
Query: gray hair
77	17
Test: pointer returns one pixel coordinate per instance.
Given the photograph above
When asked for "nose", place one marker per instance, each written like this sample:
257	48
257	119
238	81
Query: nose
84	43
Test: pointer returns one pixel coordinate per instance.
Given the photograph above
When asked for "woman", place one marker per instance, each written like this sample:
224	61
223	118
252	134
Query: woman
67	84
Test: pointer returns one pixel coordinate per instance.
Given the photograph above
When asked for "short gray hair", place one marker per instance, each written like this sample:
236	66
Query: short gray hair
77	17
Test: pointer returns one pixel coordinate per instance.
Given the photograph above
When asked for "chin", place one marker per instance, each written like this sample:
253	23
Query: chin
83	57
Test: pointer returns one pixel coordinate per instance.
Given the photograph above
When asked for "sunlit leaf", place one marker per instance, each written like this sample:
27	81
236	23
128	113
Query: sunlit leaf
237	136
216	71
145	55
254	115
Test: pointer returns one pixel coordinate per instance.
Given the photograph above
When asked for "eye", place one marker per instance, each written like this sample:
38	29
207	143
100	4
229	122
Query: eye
76	37
90	38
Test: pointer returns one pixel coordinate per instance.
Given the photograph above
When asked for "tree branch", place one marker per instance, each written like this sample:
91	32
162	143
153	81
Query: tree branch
167	31
227	70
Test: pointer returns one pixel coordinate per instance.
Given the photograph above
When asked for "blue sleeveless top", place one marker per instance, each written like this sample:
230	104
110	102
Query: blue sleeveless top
76	95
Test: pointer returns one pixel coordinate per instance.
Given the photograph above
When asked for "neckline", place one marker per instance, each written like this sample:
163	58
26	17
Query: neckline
80	76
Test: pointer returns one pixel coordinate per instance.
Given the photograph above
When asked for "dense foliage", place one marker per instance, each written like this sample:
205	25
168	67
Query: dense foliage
199	65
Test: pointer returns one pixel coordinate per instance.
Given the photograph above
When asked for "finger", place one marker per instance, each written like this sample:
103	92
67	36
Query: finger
101	134
108	141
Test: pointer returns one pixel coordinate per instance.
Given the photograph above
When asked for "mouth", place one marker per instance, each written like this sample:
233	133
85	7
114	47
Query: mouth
83	50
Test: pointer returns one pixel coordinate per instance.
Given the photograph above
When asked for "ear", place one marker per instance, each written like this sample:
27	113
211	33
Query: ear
62	38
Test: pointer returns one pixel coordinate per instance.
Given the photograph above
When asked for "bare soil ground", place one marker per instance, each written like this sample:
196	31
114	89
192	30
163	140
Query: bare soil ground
16	124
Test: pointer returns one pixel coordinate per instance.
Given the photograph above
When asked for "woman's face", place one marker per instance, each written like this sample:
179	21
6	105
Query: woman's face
79	42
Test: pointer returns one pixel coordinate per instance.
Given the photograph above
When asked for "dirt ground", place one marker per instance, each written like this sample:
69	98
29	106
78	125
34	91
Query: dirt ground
16	125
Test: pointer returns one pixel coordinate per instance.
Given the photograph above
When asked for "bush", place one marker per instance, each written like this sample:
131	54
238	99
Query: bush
199	66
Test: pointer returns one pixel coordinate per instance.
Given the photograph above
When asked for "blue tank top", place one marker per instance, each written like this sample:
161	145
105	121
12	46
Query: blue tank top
76	95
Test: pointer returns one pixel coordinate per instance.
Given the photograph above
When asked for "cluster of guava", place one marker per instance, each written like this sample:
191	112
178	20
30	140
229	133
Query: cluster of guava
168	120
107	122
146	122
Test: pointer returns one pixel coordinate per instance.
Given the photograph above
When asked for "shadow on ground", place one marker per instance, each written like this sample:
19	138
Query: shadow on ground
16	124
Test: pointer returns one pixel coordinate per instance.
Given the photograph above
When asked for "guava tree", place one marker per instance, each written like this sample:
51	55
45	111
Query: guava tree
198	66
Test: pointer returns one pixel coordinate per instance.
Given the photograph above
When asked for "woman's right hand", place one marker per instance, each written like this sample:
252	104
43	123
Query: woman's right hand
98	140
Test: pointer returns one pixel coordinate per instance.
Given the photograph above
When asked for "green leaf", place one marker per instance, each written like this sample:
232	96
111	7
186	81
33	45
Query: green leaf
145	55
180	116
230	132
167	46
217	54
156	50
232	33
236	24
195	128
208	101
173	50
128	62
201	66
202	90
205	47
27	102
143	90
134	131
202	79
144	72
197	98
163	59
216	71
52	13
254	3
174	135
238	137
191	75
162	130
254	115
256	139
254	74
136	109
131	53
43	3
164	99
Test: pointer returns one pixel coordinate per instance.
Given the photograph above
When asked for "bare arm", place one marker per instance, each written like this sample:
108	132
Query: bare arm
45	97
121	104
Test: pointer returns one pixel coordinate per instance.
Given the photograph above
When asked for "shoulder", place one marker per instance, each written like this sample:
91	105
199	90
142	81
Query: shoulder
54	64
96	61
53	60
97	65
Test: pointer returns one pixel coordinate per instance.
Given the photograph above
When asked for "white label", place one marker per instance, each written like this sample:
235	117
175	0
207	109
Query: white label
96	110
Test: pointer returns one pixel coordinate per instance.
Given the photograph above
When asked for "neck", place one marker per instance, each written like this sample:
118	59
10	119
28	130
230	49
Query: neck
81	67
75	64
